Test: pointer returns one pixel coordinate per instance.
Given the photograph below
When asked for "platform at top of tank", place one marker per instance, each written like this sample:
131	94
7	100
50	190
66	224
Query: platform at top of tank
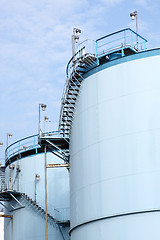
60	142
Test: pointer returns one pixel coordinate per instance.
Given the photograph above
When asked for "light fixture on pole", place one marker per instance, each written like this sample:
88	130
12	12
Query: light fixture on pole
1	144
43	106
134	15
9	135
45	120
37	177
75	39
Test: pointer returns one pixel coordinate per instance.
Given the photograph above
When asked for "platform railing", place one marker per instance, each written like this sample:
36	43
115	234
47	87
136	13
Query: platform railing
21	146
122	39
28	143
88	55
87	47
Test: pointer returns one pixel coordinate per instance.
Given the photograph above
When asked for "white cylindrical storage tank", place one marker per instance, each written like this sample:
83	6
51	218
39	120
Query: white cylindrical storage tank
25	190
115	151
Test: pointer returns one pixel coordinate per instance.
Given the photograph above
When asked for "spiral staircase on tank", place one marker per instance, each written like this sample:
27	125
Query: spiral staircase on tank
90	54
84	60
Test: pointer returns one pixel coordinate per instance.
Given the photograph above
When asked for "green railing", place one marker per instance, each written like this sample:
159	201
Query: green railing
28	144
23	145
122	39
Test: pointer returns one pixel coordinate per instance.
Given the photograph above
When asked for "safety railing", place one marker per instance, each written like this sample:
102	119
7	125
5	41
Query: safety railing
125	38
28	143
87	47
21	146
88	55
59	214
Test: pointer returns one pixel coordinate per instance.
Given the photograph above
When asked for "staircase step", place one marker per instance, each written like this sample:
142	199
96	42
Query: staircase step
71	98
73	93
73	89
66	120
76	84
37	206
69	111
81	66
67	101
80	71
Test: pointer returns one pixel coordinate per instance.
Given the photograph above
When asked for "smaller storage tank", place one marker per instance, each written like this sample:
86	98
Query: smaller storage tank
24	193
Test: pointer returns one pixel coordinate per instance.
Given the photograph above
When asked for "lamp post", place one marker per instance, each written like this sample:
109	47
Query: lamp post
45	120
43	107
9	135
37	177
134	15
75	39
1	144
45	167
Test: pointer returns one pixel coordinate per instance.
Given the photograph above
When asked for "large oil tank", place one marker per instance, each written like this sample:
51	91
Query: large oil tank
24	193
115	146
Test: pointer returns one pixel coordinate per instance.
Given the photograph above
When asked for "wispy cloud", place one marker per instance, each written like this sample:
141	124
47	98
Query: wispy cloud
35	46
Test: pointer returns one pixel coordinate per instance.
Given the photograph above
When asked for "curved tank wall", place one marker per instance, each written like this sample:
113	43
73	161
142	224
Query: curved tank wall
29	222
115	151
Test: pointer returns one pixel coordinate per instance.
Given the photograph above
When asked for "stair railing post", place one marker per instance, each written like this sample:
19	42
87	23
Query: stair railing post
45	150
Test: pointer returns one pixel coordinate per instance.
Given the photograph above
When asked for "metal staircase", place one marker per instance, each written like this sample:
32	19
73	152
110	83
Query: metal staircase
42	210
56	144
35	204
80	63
90	54
2	179
9	196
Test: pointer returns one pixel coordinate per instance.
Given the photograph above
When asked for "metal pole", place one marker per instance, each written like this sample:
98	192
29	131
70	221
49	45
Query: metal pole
46	190
39	121
73	49
73	44
6	147
10	180
35	189
137	27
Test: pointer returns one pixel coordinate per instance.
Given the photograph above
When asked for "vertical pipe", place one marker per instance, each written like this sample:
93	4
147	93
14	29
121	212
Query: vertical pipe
10	181
11	228
125	38
73	45
137	28
46	190
39	121
35	189
7	146
34	141
97	52
18	179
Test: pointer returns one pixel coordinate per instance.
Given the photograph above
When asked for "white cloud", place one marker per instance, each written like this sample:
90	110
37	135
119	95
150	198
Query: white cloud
35	46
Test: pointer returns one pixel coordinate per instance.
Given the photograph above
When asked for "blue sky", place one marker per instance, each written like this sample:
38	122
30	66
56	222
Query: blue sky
35	46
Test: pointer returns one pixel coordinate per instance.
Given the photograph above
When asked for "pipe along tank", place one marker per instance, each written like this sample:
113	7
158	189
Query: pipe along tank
115	139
